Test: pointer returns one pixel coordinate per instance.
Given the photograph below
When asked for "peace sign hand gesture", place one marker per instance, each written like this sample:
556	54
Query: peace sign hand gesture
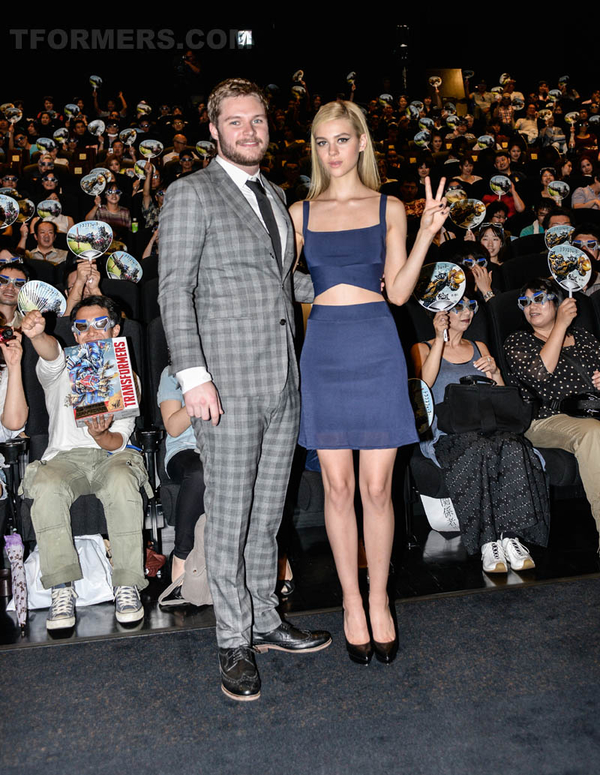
436	209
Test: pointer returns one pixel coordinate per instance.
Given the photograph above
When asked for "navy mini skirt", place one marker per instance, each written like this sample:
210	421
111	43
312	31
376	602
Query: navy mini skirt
353	380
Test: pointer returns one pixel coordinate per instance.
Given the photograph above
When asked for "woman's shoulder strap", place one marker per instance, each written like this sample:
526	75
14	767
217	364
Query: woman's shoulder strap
305	216
382	209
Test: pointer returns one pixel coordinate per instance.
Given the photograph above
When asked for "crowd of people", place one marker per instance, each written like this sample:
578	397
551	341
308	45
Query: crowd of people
365	185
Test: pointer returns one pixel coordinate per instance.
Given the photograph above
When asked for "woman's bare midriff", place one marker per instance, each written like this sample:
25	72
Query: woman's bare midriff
342	294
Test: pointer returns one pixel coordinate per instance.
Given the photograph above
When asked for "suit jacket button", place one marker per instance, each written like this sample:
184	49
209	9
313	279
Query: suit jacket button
282	322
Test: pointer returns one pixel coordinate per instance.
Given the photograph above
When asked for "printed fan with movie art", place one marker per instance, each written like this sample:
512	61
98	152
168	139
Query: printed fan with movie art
41	296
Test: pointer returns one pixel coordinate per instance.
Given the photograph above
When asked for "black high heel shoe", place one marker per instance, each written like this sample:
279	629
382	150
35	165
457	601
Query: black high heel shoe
359	653
386	652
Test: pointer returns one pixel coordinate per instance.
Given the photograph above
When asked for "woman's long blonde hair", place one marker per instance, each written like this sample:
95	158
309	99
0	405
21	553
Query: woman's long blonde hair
367	164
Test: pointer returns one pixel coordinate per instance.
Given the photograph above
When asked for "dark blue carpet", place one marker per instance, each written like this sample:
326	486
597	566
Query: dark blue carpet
499	682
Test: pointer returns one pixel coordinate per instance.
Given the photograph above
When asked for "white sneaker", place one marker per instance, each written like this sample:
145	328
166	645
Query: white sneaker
517	555
128	606
62	610
493	559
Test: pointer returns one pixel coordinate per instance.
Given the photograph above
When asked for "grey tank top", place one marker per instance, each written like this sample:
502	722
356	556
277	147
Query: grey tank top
449	374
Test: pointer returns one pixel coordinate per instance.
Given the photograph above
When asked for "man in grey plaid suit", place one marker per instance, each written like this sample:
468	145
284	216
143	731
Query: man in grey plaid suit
226	263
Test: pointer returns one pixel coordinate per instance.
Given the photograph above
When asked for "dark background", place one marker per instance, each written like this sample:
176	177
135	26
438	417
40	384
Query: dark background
326	48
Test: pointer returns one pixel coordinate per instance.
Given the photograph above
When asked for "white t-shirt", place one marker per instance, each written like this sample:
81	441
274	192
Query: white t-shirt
64	435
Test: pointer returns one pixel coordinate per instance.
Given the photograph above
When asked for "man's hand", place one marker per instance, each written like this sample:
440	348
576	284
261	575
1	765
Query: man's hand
12	351
203	401
99	425
34	324
87	276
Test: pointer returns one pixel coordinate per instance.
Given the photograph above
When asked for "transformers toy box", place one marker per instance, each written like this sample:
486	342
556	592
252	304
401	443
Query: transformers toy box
102	380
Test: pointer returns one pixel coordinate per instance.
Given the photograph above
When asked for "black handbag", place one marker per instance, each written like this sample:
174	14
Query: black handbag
586	404
478	404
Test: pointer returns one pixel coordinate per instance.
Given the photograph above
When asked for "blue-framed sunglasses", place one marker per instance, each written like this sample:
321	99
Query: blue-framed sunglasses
539	297
101	324
471	305
590	244
18	282
471	262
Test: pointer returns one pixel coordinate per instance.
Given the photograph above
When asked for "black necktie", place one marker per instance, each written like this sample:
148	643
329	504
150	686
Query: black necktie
267	213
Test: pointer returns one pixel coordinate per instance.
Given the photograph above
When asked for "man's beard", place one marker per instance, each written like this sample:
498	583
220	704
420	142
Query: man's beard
234	154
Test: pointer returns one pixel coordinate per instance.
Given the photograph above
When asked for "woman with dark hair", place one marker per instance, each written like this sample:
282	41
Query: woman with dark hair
354	384
547	175
107	208
554	360
495	480
472	184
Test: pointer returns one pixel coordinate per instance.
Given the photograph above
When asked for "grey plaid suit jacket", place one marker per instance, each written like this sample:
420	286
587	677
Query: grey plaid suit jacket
226	301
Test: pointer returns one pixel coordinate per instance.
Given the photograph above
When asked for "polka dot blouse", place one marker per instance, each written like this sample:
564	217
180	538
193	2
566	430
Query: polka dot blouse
523	349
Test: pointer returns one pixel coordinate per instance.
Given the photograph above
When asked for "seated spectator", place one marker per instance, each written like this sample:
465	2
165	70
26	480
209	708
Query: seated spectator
588	197
9	180
553	135
557	216
183	466
512	199
45	235
13	277
94	459
107	208
13	404
179	145
537	227
62	222
497	213
586	237
466	166
527	126
547	175
152	196
553	360
495	480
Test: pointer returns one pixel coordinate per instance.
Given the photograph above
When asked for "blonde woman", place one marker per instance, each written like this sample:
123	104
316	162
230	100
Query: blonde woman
354	385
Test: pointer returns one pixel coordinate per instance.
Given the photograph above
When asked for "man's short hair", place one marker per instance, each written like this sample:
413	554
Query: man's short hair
16	264
232	87
39	223
496	207
114	313
554	212
586	228
500	153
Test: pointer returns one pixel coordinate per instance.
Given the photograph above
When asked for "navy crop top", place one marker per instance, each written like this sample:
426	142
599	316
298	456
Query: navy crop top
351	257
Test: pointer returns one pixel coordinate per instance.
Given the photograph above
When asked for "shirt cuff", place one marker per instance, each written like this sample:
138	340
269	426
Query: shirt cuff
191	378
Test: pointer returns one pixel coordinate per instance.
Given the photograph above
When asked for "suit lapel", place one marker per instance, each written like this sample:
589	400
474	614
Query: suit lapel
237	203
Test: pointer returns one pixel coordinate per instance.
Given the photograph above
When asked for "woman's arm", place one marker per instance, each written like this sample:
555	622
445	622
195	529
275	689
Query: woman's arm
488	364
147	196
427	360
175	417
303	287
519	203
550	352
401	272
92	213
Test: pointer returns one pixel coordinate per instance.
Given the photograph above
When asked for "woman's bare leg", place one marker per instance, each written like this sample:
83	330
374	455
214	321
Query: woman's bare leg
375	480
337	469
